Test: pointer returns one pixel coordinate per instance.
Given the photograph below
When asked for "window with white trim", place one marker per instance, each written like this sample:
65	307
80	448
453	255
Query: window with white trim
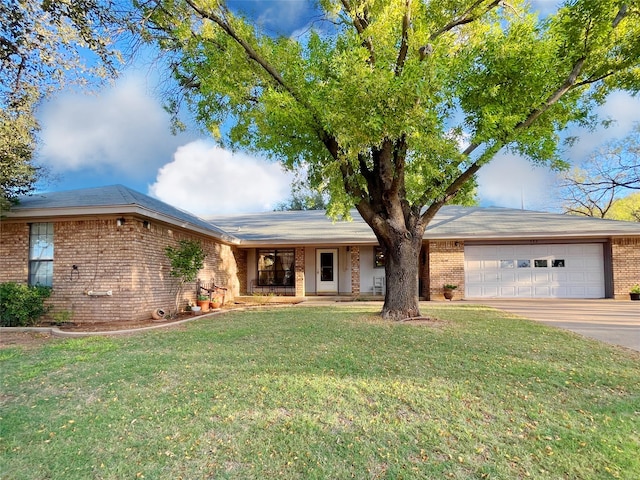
41	254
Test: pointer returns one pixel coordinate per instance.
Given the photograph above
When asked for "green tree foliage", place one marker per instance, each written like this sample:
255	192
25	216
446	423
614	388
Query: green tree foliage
187	259
21	305
626	208
45	44
396	105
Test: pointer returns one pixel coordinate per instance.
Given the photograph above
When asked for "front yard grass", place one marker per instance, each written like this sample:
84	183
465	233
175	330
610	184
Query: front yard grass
323	393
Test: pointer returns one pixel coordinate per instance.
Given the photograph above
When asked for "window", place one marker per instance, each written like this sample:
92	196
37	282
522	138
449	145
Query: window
41	254
524	263
540	263
276	267
557	263
378	258
506	263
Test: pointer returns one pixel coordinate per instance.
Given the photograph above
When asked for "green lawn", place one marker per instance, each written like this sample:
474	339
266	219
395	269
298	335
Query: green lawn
323	393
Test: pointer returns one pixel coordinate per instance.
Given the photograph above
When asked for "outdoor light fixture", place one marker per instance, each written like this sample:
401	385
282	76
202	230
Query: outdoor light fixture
120	221
146	225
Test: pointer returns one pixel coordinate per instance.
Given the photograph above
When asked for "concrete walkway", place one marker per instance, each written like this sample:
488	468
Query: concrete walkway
610	321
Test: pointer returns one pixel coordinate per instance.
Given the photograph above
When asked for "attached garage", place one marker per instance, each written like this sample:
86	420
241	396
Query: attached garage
535	271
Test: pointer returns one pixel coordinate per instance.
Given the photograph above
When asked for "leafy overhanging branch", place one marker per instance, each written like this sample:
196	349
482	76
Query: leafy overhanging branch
569	84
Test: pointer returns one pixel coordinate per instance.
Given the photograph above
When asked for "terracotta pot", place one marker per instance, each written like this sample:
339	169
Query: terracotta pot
204	305
448	293
215	305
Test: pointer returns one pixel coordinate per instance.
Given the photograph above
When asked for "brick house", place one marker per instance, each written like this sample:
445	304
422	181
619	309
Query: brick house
102	251
486	252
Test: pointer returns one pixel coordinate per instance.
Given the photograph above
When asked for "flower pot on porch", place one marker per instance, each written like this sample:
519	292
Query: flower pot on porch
634	296
448	291
204	305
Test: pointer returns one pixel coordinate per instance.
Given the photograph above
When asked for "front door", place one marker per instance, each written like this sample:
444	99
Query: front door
327	270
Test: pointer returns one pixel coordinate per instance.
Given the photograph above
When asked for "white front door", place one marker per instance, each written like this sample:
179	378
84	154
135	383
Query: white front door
327	270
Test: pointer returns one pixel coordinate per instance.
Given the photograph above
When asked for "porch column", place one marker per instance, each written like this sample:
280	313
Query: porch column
299	273
355	270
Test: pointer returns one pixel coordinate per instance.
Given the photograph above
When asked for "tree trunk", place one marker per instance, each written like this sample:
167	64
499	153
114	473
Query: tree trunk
402	277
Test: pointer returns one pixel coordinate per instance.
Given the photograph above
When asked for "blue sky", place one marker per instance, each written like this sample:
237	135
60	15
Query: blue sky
121	134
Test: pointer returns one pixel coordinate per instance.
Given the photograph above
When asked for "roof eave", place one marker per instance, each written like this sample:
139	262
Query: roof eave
34	213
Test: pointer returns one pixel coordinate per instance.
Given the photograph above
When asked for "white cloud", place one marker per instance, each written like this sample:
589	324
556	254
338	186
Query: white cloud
121	129
511	181
206	180
620	107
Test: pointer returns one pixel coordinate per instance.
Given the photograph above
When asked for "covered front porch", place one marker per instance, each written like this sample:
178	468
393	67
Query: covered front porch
340	271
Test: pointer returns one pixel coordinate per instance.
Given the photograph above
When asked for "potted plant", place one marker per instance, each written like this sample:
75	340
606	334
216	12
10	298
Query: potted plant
634	293
216	301
448	290
203	302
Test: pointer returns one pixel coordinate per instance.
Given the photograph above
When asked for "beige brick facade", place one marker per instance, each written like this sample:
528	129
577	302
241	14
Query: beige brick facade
299	273
445	266
626	266
128	260
355	270
14	252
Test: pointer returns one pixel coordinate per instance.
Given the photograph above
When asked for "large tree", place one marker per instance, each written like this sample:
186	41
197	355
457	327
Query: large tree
395	105
45	44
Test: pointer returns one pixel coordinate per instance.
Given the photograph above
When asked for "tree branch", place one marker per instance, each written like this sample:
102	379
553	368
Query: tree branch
554	97
361	24
327	139
467	17
404	45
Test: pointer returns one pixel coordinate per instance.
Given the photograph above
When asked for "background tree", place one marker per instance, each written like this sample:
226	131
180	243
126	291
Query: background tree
396	105
580	198
43	46
303	197
594	187
626	208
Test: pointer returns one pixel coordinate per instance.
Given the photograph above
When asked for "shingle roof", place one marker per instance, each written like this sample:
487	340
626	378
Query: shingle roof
111	199
454	222
314	227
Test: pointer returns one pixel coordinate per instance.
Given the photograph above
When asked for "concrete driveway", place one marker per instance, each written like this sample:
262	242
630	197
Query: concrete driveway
610	321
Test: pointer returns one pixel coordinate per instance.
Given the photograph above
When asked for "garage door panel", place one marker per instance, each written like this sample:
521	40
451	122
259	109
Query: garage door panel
541	277
541	291
557	277
508	276
540	250
577	277
530	271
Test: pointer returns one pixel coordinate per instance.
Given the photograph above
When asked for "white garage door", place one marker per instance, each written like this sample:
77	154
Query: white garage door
534	271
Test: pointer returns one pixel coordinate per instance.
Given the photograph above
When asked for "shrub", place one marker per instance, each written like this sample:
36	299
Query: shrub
186	261
21	305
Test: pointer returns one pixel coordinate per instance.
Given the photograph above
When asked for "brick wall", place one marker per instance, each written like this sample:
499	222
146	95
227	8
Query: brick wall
355	270
242	266
445	265
626	266
299	274
14	252
128	260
